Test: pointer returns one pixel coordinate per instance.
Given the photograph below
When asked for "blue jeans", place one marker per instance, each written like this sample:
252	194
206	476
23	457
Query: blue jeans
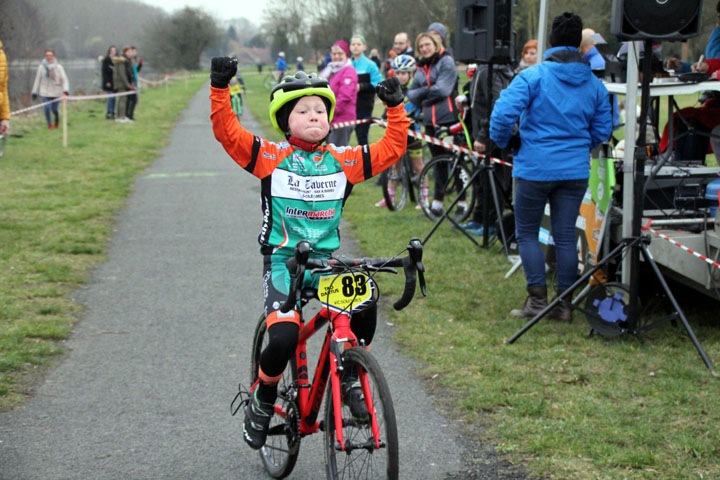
53	107
110	104
565	197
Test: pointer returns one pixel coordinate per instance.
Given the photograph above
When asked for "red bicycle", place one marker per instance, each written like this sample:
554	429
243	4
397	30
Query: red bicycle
354	447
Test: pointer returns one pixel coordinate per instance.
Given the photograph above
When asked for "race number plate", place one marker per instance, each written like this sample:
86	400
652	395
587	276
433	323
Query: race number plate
348	292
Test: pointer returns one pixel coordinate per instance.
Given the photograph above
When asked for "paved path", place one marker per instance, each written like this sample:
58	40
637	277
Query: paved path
145	389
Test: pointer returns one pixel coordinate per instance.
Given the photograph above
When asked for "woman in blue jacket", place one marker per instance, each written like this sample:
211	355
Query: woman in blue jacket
564	112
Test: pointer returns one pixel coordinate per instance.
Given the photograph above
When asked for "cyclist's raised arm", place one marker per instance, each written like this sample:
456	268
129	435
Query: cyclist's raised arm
254	154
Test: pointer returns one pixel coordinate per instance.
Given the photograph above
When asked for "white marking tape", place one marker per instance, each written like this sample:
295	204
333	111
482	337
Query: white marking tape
427	138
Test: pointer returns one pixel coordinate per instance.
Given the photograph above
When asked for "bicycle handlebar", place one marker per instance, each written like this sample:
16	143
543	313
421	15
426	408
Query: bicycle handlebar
411	264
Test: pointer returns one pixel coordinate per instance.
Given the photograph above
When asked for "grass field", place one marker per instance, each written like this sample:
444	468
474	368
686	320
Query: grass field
56	218
564	405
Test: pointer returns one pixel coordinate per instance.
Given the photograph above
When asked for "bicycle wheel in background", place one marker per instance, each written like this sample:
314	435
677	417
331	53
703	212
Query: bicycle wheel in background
361	458
395	177
282	447
447	175
269	81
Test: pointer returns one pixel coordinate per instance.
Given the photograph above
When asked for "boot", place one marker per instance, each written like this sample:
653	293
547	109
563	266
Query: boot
562	310
534	303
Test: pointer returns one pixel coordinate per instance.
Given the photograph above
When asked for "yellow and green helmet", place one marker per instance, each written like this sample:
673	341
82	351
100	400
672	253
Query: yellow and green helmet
293	87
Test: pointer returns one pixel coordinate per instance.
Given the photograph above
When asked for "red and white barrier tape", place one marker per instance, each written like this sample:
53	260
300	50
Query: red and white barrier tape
427	138
683	247
72	97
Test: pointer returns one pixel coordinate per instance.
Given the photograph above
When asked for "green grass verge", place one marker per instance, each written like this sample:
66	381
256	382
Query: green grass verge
564	405
58	206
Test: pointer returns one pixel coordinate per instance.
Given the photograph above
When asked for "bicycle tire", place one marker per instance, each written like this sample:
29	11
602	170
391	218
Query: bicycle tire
398	174
280	451
458	176
368	461
269	81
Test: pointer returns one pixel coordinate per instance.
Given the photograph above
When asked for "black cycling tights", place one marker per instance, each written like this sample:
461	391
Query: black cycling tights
283	338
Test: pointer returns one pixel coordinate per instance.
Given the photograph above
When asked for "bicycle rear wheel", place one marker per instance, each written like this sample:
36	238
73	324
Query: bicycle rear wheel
282	447
361	458
446	176
395	185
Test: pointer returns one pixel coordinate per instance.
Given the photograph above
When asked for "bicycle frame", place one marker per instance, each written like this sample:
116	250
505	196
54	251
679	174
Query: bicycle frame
310	394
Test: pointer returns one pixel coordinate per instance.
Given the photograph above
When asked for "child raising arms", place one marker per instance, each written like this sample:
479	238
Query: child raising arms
304	185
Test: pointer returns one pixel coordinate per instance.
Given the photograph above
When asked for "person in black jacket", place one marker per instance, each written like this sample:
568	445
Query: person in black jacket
480	122
107	80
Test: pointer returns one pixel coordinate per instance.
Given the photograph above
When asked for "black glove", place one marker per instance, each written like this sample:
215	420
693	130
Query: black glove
514	142
222	69
34	96
389	91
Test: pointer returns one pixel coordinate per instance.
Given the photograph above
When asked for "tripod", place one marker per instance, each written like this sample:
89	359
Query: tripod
636	244
488	182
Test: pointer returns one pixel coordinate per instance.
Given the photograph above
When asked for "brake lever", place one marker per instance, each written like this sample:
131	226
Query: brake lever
415	251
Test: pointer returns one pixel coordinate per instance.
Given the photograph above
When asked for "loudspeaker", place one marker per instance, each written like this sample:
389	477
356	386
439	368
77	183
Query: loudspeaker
655	19
485	31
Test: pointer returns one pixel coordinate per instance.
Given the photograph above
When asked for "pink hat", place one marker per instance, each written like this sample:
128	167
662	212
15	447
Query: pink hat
342	44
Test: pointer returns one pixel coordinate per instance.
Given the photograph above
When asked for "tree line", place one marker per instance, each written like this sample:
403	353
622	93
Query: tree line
301	27
86	28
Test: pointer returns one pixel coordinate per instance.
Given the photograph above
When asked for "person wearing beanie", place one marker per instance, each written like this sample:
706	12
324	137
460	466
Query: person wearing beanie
439	31
564	112
344	83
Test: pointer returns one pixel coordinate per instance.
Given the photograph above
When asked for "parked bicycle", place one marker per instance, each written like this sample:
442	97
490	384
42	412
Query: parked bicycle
356	446
446	176
399	183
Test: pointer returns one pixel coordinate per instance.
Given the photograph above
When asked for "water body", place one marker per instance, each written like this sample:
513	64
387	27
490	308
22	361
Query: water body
83	75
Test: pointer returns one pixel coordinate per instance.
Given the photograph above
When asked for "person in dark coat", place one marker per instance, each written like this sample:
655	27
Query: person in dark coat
107	80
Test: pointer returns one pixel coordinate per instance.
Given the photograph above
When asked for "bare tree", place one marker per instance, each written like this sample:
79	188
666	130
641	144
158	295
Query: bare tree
23	31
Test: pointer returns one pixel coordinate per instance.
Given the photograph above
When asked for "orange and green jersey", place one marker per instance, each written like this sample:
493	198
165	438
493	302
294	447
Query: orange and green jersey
304	186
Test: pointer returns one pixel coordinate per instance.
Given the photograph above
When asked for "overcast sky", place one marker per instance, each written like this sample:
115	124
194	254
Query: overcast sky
222	9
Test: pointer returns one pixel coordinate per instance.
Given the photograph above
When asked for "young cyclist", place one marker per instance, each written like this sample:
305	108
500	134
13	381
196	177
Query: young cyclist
236	91
304	185
403	67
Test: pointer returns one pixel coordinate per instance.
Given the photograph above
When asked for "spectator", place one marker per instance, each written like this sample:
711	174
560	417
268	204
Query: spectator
281	65
564	112
480	122
401	44
50	83
134	98
375	57
123	82
368	77
589	51
4	99
343	82
695	128
299	64
712	50
107	79
439	31
528	58
259	64
387	69
432	88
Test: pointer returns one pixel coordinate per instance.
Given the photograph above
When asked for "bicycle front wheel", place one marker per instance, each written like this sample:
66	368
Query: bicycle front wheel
445	177
395	185
361	458
282	446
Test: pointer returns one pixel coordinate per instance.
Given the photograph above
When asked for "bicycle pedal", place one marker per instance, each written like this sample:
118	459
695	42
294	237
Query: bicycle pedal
321	425
243	395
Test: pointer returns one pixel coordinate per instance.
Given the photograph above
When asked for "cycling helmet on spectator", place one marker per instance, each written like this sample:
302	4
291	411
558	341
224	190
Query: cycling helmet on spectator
403	63
285	95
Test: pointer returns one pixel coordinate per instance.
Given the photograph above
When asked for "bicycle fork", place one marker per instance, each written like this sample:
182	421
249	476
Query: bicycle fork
336	344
